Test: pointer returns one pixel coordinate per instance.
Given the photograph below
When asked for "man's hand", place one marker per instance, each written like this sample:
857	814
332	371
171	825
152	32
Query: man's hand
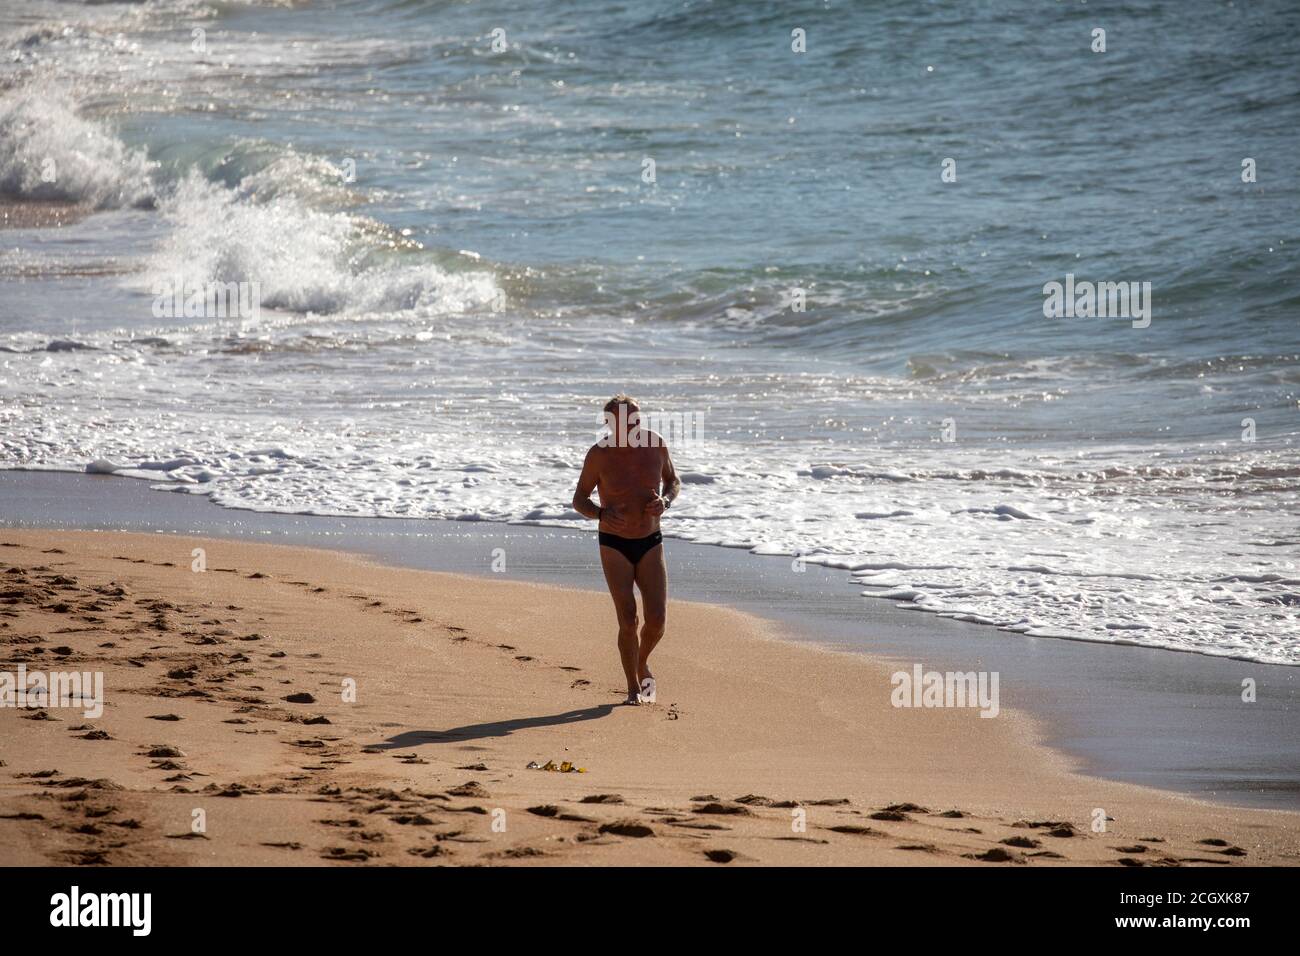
656	505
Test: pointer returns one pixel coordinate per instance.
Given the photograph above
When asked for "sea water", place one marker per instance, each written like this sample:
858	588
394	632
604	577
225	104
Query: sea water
467	225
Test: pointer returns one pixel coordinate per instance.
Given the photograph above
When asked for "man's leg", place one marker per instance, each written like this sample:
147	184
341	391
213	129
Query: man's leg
652	580
619	575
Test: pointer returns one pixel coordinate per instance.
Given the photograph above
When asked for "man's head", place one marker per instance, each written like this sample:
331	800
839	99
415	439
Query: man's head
623	420
611	406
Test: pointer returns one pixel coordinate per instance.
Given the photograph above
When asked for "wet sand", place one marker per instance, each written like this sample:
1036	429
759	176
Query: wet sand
36	214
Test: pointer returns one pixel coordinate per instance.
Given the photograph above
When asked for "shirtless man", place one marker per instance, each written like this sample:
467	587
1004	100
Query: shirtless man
634	474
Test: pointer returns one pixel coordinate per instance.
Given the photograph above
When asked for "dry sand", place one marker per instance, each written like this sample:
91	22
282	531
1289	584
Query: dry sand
460	683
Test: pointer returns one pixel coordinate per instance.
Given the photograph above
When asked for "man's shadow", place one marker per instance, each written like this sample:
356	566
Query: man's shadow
496	728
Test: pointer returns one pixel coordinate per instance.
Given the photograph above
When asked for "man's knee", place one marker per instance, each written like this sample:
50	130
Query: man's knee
655	622
627	620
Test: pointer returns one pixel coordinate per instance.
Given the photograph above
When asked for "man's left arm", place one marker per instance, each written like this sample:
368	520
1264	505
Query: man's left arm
672	485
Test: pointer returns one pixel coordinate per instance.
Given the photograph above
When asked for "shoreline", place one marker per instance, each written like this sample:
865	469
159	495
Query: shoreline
16	213
461	682
1194	737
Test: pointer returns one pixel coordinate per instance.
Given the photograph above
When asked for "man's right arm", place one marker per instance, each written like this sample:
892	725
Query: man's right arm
582	502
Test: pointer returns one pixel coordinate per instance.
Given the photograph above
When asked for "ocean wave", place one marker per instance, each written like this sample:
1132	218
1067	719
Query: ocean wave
305	259
260	170
50	152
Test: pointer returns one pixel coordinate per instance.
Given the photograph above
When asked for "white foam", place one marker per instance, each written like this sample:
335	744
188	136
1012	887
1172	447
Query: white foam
303	259
49	151
968	570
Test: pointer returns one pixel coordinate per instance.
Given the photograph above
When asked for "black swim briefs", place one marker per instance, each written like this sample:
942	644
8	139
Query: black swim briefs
634	549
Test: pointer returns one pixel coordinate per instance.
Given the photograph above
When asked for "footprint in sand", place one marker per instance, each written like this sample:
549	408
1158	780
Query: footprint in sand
518	853
994	855
693	824
855	830
1024	843
722	856
1055	828
162	751
722	809
349	854
86	857
890	815
471	788
430	852
627	828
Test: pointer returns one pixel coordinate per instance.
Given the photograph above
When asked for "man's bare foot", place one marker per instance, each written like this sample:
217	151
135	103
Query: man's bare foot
633	699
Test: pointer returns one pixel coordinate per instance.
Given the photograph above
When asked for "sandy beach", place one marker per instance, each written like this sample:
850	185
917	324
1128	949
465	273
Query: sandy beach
228	700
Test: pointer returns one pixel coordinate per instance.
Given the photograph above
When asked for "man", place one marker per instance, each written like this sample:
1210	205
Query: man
634	473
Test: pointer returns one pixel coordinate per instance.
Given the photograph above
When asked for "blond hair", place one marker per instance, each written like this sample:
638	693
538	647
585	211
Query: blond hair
621	398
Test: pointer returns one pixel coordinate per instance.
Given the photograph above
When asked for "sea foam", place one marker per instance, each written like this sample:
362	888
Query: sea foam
306	259
48	151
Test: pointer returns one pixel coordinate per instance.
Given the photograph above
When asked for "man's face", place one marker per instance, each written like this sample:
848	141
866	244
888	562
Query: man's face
622	420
